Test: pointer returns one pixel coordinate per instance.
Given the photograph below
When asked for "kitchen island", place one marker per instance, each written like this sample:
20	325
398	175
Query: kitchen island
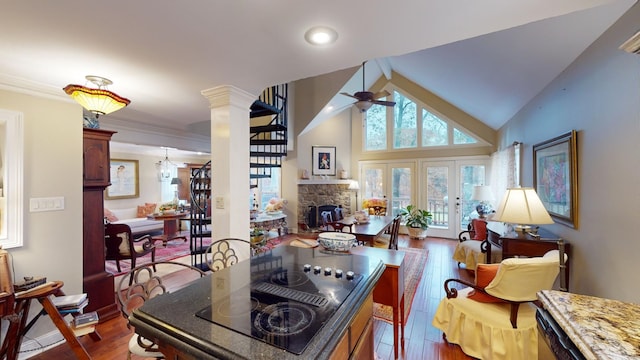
193	323
597	328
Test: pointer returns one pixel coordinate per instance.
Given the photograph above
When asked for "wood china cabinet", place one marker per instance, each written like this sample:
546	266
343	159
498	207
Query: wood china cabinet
97	283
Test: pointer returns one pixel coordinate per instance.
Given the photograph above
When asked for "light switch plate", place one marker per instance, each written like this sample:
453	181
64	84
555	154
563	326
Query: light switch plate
219	202
46	204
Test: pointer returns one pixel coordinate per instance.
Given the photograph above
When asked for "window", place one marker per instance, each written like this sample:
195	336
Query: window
411	125
405	130
267	189
376	128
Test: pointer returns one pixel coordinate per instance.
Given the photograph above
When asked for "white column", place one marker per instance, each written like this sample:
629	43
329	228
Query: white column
230	108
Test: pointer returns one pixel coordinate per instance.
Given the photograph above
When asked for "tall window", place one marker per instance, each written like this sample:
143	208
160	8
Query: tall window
405	129
267	189
410	125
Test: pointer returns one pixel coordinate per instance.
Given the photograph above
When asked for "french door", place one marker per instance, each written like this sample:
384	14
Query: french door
445	190
392	180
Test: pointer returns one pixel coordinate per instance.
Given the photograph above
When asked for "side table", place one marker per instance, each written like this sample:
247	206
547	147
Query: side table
170	228
514	244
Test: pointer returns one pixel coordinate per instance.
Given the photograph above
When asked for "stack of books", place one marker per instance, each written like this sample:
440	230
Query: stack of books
84	323
70	303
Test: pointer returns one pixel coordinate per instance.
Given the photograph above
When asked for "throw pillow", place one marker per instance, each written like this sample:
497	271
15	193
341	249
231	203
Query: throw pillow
484	275
150	208
111	217
479	229
142	211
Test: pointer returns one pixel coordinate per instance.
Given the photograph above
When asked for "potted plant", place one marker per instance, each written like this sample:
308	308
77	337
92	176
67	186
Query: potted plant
416	220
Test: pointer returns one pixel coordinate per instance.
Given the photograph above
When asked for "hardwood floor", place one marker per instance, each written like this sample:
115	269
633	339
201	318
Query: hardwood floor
422	341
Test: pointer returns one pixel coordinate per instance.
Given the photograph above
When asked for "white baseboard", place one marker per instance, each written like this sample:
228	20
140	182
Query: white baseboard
49	340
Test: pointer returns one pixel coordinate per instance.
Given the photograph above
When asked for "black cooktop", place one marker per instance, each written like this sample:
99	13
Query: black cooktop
287	306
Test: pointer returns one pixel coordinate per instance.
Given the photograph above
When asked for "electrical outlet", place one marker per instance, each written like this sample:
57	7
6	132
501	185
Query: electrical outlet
219	202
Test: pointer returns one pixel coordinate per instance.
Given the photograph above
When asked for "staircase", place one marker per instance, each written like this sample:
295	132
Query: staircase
268	138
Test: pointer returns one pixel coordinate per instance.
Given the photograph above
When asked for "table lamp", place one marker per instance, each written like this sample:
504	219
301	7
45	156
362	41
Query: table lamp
177	182
483	194
523	207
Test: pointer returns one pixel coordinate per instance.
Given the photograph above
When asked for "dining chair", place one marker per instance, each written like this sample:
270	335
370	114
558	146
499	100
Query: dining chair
389	240
121	245
144	282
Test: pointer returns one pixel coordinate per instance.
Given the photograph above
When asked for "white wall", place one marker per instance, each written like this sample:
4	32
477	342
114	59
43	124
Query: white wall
599	96
52	167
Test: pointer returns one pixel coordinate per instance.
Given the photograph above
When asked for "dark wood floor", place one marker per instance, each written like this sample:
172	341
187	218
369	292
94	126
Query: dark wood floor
422	341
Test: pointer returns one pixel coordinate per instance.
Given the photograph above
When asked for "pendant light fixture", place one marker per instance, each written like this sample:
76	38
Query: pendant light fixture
165	167
99	101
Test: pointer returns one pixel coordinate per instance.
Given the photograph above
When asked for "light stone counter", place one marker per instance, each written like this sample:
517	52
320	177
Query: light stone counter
600	328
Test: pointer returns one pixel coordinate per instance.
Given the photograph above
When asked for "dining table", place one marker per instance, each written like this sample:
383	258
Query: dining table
366	232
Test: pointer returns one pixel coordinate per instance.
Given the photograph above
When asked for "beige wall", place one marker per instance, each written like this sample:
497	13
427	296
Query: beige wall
599	96
52	167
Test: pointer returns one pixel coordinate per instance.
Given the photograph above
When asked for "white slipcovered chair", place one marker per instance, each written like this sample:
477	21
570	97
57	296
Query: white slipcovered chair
473	246
501	325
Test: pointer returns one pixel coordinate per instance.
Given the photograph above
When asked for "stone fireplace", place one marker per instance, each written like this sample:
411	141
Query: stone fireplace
311	196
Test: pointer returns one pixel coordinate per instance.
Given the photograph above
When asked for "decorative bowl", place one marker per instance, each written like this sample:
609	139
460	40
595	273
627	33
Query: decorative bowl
336	241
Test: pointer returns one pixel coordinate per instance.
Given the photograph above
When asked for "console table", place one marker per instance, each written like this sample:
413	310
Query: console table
514	244
269	222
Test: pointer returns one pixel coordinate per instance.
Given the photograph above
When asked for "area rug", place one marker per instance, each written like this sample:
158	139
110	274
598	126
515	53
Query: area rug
414	262
173	250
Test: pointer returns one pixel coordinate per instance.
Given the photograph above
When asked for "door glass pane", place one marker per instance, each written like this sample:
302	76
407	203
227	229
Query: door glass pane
470	176
438	195
400	189
373	183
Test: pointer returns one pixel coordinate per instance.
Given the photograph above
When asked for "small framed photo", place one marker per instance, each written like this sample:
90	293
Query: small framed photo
555	177
323	160
124	180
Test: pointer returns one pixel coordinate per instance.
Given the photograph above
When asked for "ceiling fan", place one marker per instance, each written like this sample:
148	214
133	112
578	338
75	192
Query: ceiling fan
367	98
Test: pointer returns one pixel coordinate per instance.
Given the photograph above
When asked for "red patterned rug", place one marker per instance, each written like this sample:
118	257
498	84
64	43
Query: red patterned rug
414	262
175	249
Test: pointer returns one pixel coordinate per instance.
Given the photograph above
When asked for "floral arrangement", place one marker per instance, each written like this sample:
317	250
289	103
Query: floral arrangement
275	204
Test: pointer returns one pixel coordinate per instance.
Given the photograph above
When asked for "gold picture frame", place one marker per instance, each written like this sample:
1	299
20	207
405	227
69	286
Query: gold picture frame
555	177
124	180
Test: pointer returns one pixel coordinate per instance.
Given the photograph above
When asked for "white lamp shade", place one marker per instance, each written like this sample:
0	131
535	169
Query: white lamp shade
482	193
354	185
522	206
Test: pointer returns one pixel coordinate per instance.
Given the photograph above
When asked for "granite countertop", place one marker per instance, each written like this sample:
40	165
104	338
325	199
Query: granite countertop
600	328
171	318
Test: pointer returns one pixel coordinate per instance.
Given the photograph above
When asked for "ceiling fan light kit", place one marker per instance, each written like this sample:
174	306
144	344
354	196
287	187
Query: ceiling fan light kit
366	99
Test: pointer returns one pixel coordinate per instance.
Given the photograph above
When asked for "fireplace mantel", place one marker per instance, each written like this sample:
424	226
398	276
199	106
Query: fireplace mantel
323	182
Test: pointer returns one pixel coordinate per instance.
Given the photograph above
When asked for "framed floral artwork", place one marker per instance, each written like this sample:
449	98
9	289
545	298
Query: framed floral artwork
323	160
124	180
555	178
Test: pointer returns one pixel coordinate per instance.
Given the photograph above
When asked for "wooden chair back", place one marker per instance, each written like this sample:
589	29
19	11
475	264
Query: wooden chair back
121	245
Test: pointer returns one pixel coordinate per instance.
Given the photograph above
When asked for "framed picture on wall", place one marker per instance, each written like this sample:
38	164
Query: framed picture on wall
323	160
124	180
555	179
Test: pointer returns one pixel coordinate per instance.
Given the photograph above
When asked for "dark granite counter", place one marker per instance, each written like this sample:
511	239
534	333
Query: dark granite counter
171	318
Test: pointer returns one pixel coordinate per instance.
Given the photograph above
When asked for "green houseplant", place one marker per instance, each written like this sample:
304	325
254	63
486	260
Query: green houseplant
416	220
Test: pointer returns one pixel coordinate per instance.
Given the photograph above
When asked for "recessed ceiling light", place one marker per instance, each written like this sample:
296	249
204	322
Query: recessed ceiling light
321	35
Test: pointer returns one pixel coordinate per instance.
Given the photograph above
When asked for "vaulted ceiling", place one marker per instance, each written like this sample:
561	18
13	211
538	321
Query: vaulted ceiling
488	58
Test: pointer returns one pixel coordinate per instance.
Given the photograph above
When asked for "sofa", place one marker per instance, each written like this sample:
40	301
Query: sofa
132	217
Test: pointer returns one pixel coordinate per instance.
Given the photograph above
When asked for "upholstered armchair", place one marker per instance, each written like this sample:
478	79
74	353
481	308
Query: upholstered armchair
473	245
494	318
121	245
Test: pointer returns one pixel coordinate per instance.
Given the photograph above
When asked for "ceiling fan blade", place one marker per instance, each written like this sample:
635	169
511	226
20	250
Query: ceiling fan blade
380	94
385	103
349	95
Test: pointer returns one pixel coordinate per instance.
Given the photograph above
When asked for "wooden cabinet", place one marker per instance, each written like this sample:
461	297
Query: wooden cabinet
357	342
187	176
97	283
